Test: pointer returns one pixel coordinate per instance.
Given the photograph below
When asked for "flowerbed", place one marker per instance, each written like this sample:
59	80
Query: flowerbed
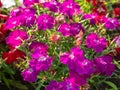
61	45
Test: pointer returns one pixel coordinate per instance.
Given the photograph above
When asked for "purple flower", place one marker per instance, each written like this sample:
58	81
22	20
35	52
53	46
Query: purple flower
65	29
64	58
16	37
69	8
37	53
29	3
91	17
29	11
77	62
30	20
22	11
118	41
70	29
96	43
16	12
13	22
76	53
68	84
21	17
42	47
77	79
29	75
52	5
53	85
45	21
41	64
84	67
111	23
76	28
104	65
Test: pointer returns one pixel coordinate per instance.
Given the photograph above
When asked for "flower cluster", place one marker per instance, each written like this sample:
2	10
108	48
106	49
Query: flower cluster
61	42
40	61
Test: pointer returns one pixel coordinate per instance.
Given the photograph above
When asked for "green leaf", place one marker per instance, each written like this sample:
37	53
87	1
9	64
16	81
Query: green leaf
8	69
111	84
18	85
6	81
39	86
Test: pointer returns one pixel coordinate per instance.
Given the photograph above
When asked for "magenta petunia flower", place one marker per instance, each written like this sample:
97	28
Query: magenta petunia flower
69	8
77	62
91	17
78	79
96	43
45	21
53	85
42	47
16	12
71	29
104	65
29	75
42	63
21	17
52	5
29	3
111	23
65	29
64	58
12	22
76	28
84	67
76	53
30	20
68	84
29	10
16	38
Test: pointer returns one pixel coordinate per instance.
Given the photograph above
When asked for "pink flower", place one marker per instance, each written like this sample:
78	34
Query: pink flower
16	37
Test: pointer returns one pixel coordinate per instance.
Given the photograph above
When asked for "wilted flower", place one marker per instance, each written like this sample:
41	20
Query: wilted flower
54	38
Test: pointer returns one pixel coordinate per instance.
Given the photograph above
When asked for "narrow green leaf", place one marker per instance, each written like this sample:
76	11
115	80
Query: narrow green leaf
7	83
18	85
111	84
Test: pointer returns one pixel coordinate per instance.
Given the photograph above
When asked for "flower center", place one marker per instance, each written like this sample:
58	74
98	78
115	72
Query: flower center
42	58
